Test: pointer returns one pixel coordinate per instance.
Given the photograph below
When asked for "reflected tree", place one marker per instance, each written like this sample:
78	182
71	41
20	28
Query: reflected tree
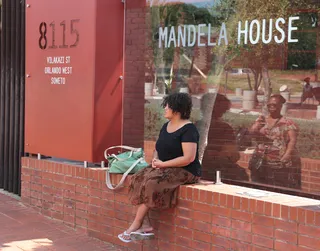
260	57
167	14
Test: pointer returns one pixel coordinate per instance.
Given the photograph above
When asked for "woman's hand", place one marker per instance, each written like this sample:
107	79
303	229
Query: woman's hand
156	163
258	124
285	158
152	163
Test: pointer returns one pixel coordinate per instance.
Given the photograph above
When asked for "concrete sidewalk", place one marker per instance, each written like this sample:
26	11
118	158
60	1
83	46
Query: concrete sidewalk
22	228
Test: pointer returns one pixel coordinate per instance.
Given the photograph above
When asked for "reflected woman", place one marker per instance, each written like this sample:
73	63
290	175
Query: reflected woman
276	137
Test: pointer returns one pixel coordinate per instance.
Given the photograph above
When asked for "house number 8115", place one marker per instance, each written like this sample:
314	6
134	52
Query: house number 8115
43	30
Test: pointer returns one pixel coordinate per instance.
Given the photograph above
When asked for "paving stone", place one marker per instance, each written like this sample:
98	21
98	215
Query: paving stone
23	229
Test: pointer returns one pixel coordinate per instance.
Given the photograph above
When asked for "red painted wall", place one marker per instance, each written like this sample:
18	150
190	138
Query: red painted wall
95	108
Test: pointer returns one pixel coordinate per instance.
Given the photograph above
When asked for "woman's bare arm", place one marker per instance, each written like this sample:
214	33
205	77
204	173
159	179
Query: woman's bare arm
292	141
291	145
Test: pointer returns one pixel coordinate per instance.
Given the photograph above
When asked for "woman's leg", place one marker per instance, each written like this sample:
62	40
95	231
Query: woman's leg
138	220
146	225
137	223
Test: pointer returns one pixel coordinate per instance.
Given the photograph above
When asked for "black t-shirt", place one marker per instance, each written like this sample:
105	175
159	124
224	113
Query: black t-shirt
169	145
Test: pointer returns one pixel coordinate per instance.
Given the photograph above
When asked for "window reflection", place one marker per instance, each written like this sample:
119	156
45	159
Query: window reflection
232	56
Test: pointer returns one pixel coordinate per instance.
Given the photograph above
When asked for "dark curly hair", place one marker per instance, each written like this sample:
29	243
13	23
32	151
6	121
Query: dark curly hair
179	102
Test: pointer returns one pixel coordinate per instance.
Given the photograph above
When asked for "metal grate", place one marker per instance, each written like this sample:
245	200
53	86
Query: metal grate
12	93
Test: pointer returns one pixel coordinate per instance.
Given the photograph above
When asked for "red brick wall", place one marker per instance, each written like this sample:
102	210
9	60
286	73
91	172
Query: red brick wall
133	103
206	218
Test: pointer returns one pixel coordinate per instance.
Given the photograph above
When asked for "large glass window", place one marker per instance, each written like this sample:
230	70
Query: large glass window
252	68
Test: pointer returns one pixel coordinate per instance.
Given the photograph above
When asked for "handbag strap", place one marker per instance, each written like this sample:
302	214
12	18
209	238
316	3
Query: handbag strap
124	176
120	159
129	148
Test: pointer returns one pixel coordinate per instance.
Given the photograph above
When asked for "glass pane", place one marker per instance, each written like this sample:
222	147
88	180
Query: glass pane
307	41
308	20
301	60
232	56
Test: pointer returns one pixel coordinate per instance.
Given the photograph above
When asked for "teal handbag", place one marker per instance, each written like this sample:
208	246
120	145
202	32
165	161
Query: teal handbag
124	163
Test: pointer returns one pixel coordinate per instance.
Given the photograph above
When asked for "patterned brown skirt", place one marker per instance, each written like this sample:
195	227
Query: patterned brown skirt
156	188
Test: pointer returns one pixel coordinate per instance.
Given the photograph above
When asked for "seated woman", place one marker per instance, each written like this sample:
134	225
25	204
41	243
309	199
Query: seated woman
221	153
276	137
175	163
